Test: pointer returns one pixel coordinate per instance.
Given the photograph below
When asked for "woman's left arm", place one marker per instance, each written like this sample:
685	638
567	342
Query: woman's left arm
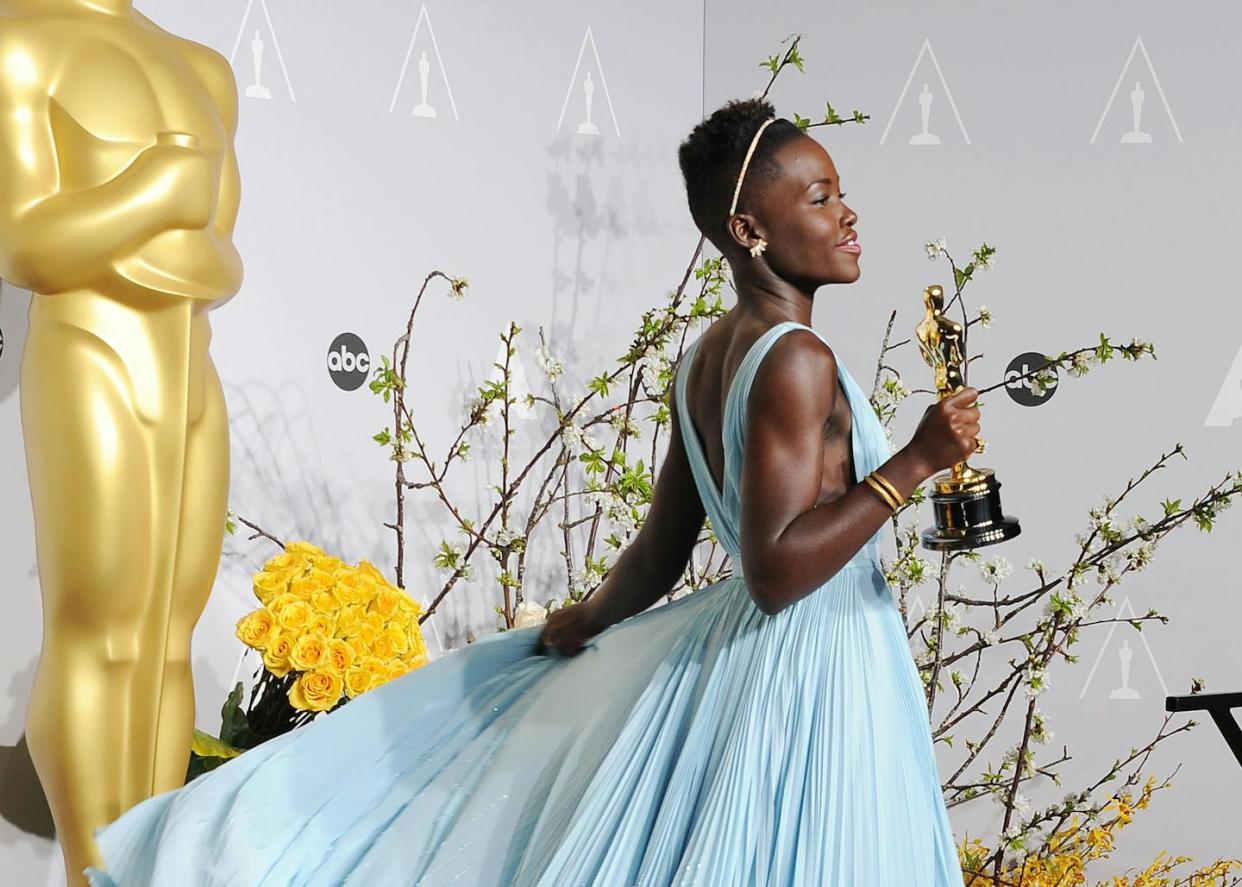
652	563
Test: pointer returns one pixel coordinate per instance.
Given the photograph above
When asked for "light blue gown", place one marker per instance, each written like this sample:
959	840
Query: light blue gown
700	742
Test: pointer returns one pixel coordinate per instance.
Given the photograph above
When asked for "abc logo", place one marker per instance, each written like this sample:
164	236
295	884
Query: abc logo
1020	388
348	361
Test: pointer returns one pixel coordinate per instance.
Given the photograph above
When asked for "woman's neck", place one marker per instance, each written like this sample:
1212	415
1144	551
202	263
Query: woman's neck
768	296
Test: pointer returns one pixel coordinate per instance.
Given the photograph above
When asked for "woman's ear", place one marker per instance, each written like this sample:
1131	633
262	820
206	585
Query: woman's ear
743	230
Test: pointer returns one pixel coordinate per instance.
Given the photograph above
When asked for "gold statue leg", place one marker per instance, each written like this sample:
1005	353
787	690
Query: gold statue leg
204	506
127	450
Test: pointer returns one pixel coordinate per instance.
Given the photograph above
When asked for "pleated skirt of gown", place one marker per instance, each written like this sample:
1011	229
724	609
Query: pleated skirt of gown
699	743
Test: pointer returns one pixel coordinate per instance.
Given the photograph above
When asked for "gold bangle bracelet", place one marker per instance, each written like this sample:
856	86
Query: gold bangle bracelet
889	486
881	492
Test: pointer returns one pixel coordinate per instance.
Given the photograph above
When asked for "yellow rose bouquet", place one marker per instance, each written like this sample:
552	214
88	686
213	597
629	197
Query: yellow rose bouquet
326	632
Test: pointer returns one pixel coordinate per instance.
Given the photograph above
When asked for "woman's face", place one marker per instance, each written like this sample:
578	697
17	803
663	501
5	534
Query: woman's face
803	218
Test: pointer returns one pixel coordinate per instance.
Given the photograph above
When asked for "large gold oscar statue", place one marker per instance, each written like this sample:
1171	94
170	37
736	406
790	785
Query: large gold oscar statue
118	194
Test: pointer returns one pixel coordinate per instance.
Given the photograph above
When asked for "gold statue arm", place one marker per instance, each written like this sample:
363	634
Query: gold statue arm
217	76
53	239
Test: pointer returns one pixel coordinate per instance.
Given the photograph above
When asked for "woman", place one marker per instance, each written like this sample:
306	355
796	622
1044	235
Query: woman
769	729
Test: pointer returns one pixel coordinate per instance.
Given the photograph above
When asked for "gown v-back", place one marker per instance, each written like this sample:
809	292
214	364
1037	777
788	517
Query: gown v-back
700	742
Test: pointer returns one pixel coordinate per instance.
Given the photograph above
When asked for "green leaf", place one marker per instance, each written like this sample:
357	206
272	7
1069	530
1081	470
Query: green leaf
207	746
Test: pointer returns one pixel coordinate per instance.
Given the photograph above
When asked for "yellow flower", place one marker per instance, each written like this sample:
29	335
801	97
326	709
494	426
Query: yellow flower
284	563
356	588
382	646
276	656
322	623
309	652
329	563
325	602
257	628
386	602
396	668
369	569
397	637
292	615
315	691
415	635
305	549
308	583
409	608
349	621
268	585
358	680
341	656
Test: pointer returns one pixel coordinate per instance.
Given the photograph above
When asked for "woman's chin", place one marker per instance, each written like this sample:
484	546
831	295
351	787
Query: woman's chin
848	275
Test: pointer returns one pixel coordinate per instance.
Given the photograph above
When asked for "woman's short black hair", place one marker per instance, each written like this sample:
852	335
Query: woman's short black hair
711	158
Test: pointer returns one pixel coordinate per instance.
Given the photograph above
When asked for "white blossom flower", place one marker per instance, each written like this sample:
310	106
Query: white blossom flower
1101	521
1108	571
996	570
551	366
504	536
1036	564
622	515
935	248
529	613
990	637
985	316
987	265
1080	364
1021	805
1141	556
1035	681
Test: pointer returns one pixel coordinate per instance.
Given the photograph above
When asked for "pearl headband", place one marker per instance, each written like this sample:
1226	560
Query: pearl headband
745	163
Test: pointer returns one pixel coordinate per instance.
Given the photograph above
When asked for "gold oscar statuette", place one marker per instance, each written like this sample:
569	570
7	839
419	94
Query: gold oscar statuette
967	500
119	190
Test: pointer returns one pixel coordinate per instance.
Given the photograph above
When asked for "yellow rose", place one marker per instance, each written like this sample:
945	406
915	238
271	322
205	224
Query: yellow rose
309	652
369	569
322	623
356	588
269	584
386	602
276	656
382	646
325	602
329	563
346	587
415	635
341	656
305	549
315	691
293	615
396	668
310	582
257	628
397	637
284	563
349	621
357	680
409	607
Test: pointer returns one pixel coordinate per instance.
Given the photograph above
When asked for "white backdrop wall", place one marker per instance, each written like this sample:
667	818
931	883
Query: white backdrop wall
350	199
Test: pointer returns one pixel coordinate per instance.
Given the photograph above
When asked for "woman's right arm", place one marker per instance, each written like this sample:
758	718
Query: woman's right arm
790	546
